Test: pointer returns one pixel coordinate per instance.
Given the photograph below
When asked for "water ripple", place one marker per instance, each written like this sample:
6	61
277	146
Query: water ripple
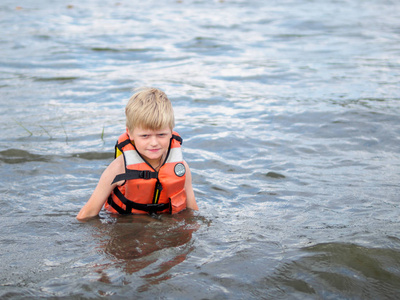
290	126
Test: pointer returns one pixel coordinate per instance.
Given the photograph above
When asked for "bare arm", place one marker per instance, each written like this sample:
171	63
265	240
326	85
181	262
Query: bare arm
190	198
102	190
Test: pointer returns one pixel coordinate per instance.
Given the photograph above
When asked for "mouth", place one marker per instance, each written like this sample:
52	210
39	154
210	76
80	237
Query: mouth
153	150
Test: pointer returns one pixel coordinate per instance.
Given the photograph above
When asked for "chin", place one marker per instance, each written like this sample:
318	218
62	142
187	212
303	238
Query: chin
153	157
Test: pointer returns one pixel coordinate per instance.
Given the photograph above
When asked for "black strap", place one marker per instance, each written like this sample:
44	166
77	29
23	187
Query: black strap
121	145
178	138
150	208
135	174
114	205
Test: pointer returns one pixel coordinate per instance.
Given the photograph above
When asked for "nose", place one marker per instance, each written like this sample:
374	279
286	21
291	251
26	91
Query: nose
153	140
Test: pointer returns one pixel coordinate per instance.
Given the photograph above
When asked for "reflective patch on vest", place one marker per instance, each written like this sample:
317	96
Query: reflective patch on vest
179	169
132	157
175	155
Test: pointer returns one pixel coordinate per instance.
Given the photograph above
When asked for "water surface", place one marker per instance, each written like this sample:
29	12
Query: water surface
289	111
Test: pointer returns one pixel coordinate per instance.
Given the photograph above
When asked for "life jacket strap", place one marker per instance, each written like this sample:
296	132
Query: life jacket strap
114	205
150	208
135	174
118	147
178	138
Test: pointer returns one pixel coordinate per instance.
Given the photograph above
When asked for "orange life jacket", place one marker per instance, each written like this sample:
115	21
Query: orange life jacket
145	190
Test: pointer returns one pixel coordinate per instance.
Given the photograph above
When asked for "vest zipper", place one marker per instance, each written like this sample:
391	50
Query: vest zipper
157	192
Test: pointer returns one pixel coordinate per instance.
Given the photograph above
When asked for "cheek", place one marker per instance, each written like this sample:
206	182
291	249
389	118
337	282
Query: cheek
165	143
139	145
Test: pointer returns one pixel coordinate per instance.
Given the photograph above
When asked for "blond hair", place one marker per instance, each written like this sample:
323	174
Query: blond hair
149	108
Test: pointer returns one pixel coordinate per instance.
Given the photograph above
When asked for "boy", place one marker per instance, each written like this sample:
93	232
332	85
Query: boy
148	174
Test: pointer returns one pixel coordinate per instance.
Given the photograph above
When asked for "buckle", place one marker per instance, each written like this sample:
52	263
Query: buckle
156	207
145	175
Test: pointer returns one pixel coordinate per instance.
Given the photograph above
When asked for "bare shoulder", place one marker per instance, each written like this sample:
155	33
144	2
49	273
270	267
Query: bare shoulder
116	167
190	197
186	166
118	164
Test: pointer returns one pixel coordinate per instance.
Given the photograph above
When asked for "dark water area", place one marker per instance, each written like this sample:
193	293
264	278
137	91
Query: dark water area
289	111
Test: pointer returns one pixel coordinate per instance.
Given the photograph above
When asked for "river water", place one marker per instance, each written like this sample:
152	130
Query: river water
289	111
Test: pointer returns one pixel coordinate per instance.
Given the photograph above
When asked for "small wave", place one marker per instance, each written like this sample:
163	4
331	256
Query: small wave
275	175
108	49
349	270
62	78
94	155
16	156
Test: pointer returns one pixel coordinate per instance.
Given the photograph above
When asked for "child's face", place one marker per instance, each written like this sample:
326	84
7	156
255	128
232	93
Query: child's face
151	144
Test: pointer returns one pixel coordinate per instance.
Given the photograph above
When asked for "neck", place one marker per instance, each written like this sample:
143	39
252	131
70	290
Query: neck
157	163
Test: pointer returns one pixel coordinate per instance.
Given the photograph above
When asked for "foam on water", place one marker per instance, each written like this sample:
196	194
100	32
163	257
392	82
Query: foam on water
289	115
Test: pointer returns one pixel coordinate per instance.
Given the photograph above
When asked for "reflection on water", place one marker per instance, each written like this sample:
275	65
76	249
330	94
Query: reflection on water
137	242
289	112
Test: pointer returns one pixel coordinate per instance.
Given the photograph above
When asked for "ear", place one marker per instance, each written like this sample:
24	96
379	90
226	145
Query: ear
129	134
